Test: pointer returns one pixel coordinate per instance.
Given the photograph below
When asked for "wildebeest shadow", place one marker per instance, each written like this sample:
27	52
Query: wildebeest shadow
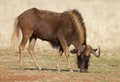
46	69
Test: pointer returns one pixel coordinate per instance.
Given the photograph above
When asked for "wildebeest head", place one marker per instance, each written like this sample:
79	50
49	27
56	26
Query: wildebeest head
84	57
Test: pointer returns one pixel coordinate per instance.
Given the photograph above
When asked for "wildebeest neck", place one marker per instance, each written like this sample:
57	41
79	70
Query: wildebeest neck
79	26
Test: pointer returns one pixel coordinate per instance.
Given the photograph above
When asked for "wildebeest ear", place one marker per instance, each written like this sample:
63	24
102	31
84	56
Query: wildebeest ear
74	51
95	50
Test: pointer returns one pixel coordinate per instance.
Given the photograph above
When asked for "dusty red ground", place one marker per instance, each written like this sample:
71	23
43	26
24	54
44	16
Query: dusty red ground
11	75
35	75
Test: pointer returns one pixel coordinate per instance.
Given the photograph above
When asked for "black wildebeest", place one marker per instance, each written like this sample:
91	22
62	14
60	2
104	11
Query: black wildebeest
60	29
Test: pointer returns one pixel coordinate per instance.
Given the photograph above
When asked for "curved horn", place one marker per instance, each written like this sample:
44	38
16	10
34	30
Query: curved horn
95	54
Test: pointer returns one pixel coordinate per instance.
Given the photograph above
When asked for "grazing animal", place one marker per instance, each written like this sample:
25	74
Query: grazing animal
60	29
84	57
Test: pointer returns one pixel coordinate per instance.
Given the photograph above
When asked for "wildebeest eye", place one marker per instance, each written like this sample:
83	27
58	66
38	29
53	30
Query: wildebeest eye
95	50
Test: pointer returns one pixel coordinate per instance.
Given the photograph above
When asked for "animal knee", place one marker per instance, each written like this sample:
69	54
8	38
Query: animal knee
21	48
67	53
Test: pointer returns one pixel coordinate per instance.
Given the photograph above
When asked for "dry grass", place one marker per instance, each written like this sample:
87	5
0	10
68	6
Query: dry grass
104	69
100	16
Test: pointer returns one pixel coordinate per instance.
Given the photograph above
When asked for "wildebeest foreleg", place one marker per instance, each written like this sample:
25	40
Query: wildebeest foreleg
66	50
59	59
31	51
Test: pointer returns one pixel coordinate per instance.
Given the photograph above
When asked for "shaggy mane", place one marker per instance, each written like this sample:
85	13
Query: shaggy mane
79	25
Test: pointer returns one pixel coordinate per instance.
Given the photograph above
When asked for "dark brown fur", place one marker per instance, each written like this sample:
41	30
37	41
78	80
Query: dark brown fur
60	29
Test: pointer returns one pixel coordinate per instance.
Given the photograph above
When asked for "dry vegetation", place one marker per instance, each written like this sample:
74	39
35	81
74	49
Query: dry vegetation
104	69
102	20
100	16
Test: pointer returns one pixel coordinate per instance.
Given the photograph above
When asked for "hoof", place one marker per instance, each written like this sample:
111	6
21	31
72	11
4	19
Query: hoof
21	68
39	68
83	71
58	68
71	71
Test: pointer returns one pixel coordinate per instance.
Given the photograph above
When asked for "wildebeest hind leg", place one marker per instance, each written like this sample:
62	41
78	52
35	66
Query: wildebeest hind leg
31	51
21	49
